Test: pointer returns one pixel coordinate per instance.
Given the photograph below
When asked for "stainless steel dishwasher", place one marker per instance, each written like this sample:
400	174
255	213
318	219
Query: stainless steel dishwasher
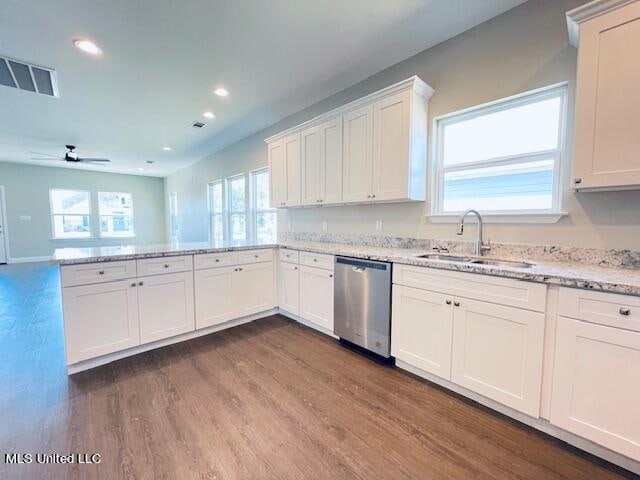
362	303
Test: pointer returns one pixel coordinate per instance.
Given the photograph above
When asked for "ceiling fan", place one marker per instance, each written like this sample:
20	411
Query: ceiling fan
70	156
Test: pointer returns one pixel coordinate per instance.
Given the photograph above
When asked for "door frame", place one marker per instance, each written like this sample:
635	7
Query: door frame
3	213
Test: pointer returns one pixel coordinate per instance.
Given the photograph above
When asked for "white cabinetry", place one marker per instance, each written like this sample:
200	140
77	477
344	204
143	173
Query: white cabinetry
214	298
422	329
497	352
370	150
606	141
289	288
284	168
596	385
100	318
316	296
253	288
165	303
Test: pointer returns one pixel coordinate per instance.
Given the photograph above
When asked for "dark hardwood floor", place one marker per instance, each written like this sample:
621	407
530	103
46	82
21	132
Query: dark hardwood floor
270	399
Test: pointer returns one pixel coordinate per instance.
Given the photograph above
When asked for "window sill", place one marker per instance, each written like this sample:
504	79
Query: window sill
73	239
542	217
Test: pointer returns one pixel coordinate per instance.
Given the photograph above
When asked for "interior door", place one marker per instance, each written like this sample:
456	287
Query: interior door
166	305
422	329
391	129
331	160
311	166
357	154
3	244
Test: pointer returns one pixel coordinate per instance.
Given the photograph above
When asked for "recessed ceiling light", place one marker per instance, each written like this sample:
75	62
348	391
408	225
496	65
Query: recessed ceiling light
209	115
221	92
87	46
166	149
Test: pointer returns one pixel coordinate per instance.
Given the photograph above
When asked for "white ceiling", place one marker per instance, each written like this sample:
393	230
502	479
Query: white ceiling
162	59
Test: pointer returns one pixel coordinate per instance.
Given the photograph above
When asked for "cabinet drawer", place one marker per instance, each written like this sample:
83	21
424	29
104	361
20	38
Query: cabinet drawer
155	266
318	260
289	256
214	260
72	275
255	256
611	309
503	291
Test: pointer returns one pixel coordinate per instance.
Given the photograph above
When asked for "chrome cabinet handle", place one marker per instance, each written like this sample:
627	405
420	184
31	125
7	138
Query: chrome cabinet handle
625	311
456	304
448	302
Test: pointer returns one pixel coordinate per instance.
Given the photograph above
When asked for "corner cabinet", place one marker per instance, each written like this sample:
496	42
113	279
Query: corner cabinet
370	150
607	34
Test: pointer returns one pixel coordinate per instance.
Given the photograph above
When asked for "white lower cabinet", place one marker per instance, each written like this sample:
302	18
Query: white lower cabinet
214	298
497	352
596	384
99	319
422	329
253	288
165	303
316	296
289	288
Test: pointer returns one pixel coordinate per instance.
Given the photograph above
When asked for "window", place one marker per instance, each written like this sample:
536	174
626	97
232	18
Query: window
173	216
502	158
70	213
264	219
116	214
216	212
237	208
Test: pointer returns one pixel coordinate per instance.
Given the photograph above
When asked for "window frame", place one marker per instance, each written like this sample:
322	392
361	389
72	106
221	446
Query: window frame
174	231
210	186
227	206
254	211
52	215
132	216
558	154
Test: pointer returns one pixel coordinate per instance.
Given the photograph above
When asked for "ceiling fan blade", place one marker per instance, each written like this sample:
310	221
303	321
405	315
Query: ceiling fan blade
55	159
45	154
94	160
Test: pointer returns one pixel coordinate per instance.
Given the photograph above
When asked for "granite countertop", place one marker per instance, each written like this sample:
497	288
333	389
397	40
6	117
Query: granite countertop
72	256
569	274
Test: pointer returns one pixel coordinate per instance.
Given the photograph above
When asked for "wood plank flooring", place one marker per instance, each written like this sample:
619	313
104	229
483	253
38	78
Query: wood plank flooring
266	400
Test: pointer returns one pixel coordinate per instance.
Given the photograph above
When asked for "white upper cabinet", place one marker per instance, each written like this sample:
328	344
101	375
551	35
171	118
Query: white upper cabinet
607	100
370	150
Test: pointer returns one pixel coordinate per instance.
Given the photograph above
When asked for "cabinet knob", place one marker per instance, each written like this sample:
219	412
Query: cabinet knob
295	268
625	311
368	196
217	260
133	284
373	196
315	259
101	272
456	304
448	302
255	256
166	265
331	275
140	283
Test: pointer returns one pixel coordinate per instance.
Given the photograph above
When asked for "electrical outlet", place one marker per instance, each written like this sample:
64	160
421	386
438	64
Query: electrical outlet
324	226
378	225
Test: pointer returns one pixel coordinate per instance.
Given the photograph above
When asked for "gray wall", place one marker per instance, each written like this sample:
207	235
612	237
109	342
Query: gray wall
523	49
27	193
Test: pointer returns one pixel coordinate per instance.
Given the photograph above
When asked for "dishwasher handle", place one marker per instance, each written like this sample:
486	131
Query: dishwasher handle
362	265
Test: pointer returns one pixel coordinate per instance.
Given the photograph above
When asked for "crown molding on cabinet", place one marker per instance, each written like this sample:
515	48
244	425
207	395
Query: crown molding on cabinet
415	82
588	11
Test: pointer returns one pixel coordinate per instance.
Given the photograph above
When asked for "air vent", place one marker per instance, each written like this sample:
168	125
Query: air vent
32	78
198	125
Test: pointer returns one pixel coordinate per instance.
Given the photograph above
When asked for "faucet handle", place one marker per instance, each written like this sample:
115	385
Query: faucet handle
486	246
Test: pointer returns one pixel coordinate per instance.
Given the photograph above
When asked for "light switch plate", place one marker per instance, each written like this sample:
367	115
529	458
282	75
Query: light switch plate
25	218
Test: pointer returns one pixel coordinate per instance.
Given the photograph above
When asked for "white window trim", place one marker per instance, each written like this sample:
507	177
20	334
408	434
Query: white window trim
511	216
253	210
224	208
52	215
174	232
133	220
227	206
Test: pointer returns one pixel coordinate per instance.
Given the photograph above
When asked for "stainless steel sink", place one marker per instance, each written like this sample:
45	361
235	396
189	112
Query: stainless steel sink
478	261
502	263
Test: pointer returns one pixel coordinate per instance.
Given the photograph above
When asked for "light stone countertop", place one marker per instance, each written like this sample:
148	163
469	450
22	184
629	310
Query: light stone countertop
568	274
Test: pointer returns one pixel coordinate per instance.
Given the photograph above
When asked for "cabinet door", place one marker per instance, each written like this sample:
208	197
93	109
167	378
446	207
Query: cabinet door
607	101
316	296
100	319
165	305
596	385
214	296
497	352
253	288
357	154
331	156
289	288
291	145
311	166
277	174
391	117
422	329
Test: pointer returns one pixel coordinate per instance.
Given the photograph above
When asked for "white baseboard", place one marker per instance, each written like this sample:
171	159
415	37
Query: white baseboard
44	258
111	357
537	423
